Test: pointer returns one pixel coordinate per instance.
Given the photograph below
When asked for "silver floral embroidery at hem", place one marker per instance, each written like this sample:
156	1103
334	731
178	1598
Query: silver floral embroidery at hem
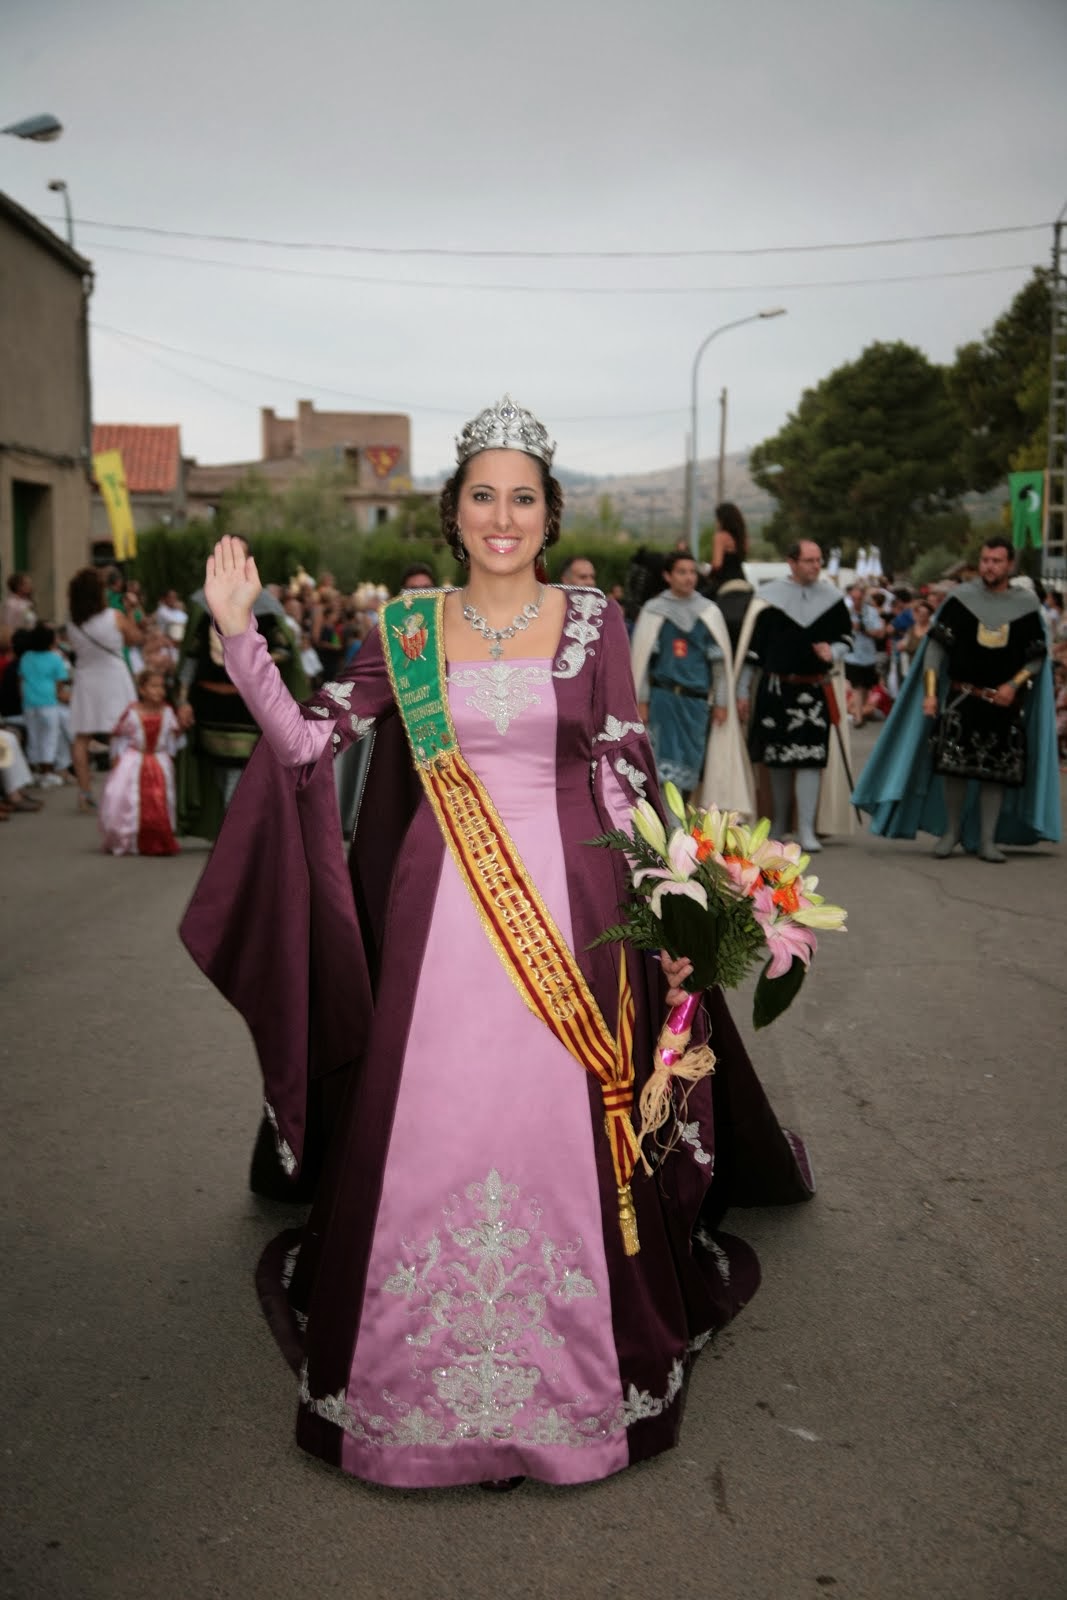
582	629
361	726
289	1265
716	1251
480	1312
285	1155
319	711
689	1133
500	692
614	730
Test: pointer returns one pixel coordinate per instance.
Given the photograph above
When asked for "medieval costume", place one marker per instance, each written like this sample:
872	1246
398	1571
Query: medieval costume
681	661
796	723
920	774
225	732
137	807
476	1294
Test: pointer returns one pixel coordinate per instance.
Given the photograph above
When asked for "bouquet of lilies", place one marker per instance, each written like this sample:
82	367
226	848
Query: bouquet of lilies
727	897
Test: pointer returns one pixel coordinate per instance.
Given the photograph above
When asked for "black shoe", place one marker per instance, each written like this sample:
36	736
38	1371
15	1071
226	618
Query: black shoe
501	1485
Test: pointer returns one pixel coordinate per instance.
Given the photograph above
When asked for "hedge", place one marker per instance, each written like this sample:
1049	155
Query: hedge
174	558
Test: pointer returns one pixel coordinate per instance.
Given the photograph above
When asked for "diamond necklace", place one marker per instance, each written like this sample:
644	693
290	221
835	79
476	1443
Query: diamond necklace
495	636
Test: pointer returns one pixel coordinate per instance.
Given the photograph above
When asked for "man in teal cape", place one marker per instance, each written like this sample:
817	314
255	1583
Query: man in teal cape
965	801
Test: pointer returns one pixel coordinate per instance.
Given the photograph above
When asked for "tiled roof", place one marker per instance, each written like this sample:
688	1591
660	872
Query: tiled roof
151	456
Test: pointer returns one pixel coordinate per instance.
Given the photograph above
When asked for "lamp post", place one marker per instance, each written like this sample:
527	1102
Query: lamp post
58	186
42	129
757	316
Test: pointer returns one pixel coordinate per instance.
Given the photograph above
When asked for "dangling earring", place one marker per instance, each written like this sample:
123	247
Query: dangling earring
461	552
544	544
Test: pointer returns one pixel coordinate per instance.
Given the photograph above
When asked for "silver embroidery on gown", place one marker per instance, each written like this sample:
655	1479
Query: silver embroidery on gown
500	692
689	1133
479	1312
615	730
581	630
633	775
285	1155
339	693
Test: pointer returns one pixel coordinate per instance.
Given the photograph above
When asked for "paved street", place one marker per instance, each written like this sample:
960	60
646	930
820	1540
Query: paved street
884	1422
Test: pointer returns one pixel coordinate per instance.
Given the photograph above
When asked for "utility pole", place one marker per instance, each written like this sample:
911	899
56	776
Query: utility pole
690	482
720	485
1054	531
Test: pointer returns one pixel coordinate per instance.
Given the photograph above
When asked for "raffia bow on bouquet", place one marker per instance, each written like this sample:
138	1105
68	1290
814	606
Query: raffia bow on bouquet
726	897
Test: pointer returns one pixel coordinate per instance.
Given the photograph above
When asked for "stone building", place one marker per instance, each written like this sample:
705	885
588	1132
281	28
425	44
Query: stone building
372	448
45	426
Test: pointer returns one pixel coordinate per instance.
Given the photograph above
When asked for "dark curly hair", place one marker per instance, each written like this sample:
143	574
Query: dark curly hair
449	503
85	594
730	520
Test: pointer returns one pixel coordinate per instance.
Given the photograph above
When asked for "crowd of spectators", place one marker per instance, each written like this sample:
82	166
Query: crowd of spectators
329	628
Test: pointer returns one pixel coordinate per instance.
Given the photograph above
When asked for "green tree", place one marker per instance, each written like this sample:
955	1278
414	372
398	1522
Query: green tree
868	457
1000	384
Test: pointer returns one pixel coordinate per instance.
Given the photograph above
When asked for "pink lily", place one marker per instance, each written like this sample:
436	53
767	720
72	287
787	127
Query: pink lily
785	938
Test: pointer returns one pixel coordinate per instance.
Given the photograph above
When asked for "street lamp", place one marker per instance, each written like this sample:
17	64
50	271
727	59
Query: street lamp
58	186
758	316
43	128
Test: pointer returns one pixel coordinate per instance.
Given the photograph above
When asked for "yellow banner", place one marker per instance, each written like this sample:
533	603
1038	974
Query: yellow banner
111	481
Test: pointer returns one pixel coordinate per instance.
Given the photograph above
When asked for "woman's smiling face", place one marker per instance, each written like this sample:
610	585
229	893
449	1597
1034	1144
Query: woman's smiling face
501	512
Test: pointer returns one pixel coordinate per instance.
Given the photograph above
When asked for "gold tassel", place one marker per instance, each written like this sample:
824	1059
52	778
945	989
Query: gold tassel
628	1220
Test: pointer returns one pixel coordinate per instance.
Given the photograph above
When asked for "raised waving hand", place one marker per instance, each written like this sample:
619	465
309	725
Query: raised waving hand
231	586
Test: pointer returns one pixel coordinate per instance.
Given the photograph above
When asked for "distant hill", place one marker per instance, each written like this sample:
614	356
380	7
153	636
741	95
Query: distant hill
652	504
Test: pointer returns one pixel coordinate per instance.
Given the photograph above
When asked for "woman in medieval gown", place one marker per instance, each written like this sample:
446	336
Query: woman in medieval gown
461	1305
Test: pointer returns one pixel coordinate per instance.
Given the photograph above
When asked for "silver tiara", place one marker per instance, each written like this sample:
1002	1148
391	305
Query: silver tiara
505	426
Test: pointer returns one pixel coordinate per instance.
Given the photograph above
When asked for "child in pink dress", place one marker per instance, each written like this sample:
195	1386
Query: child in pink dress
137	808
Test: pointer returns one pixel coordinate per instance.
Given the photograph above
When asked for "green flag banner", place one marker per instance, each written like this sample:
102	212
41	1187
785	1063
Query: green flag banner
1027	491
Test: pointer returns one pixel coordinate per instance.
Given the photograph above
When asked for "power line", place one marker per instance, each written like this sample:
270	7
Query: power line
305	386
558	255
574	289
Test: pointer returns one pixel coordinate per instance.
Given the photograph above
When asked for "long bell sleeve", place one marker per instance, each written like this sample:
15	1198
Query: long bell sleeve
341	712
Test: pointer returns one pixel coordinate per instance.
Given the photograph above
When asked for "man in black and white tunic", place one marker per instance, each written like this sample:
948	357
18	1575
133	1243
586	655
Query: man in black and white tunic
802	630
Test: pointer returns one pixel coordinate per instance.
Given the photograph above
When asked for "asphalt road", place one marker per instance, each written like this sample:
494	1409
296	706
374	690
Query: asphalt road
884	1422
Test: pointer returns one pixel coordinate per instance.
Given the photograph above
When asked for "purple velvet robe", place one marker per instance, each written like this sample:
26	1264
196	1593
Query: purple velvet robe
325	963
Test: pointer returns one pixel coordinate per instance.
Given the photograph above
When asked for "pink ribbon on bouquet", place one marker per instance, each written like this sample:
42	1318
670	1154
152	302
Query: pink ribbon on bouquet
672	1059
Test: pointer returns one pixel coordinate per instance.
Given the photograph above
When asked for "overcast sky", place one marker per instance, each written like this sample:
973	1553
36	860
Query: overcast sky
467	126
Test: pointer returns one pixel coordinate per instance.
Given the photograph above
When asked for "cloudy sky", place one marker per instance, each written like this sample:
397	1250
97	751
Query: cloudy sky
561	199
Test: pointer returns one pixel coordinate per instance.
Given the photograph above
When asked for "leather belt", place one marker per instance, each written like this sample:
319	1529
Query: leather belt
977	690
676	688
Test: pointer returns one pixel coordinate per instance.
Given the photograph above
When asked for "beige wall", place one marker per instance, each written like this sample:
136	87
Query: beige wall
43	409
58	532
315	433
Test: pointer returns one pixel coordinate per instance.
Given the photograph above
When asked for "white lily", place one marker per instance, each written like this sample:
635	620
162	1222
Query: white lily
647	822
677	876
831	919
674	801
715	825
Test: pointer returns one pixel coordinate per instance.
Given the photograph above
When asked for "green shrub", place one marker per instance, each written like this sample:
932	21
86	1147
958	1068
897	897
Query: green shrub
175	558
